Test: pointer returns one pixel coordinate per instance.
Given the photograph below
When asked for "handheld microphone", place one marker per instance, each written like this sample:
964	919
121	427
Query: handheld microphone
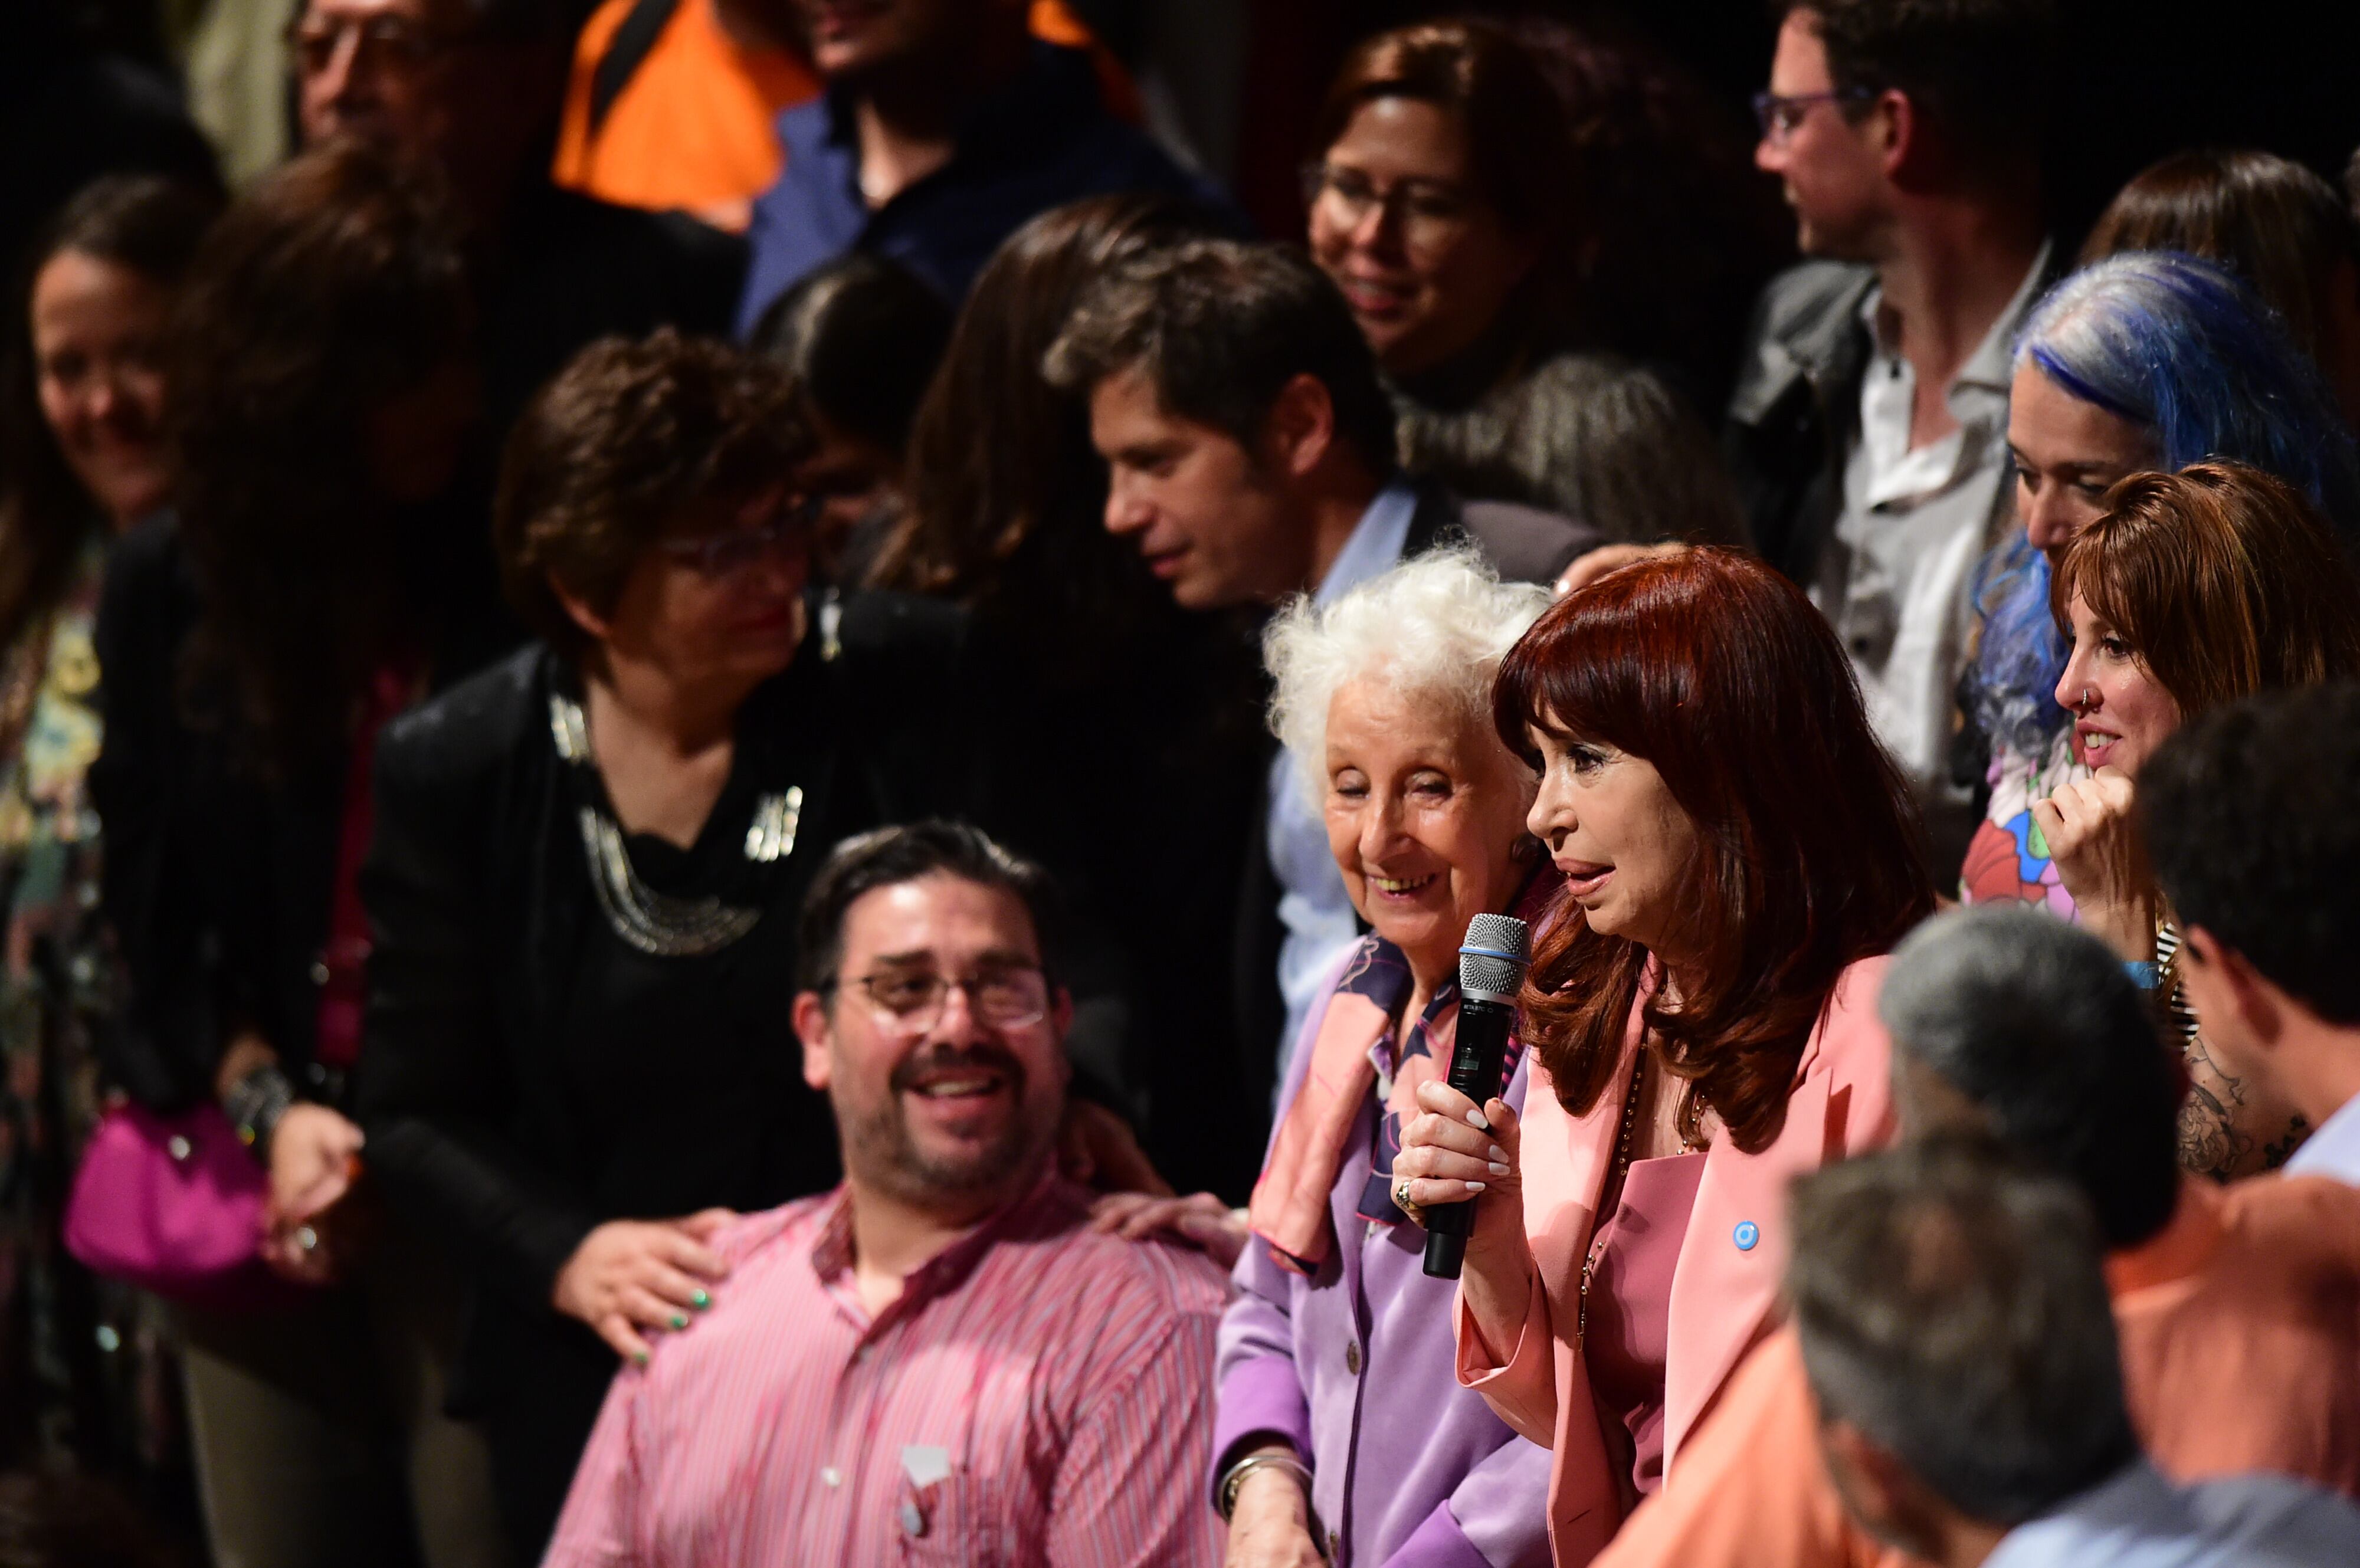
1491	967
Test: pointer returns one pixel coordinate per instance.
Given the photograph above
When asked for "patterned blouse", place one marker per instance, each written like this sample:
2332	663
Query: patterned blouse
57	992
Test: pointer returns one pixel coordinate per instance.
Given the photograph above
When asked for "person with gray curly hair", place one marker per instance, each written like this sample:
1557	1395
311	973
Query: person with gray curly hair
1363	1444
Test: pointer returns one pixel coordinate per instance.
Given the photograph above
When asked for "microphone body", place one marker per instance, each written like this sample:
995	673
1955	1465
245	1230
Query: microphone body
1490	969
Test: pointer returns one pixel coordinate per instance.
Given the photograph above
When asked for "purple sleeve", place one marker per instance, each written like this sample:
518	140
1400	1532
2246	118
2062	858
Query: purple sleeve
1259	1389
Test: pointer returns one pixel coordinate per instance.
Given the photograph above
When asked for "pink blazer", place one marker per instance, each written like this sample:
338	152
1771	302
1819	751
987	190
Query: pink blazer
1724	1287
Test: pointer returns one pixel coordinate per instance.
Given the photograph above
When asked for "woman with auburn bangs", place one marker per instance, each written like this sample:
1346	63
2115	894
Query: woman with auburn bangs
2192	590
1739	855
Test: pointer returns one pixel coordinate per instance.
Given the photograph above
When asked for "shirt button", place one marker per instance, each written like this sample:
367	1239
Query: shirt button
319	971
1352	1359
831	1475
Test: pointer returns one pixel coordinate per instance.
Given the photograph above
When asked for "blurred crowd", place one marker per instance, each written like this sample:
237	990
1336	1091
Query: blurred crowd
744	746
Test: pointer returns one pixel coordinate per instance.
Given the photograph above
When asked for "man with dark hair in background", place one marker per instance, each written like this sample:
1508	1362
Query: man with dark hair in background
1868	427
1251	456
1955	1328
470	90
2252	818
945	126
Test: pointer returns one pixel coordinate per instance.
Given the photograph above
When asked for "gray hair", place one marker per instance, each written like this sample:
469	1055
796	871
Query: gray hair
2039	1026
1435	627
1951	1306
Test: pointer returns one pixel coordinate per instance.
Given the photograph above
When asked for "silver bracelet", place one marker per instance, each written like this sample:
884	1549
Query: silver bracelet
1236	1474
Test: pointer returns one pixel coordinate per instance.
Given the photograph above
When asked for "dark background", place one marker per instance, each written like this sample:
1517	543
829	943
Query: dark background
2137	78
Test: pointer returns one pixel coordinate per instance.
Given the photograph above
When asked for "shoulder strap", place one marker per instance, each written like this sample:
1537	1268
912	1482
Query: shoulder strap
626	52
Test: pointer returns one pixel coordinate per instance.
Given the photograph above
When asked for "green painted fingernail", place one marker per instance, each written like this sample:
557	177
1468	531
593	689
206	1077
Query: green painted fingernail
700	1300
640	1356
680	1320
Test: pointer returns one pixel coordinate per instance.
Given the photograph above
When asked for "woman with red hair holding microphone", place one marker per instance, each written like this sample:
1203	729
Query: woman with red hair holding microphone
1738	855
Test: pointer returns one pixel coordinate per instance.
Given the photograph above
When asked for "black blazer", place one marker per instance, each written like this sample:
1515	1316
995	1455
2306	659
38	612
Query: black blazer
527	1075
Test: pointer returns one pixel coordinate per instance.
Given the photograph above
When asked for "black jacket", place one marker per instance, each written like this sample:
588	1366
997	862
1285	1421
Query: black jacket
1795	408
527	1074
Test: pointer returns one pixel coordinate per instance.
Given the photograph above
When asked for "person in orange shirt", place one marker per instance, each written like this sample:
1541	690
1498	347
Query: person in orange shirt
675	103
2238	1308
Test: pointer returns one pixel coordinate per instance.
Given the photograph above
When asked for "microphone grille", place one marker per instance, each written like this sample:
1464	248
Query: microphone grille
1493	961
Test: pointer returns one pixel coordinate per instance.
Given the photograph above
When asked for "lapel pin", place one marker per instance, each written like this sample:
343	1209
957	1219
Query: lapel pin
1746	1233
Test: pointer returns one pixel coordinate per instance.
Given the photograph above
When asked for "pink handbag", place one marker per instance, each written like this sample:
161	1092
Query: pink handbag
174	1204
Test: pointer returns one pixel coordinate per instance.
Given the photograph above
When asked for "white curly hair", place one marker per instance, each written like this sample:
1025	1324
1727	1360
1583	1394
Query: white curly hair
1435	627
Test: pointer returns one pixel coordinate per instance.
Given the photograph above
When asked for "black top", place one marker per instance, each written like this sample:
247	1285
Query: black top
528	1073
218	877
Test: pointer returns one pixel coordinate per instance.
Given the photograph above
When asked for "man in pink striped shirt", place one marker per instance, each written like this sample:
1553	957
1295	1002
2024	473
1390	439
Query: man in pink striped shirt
938	1362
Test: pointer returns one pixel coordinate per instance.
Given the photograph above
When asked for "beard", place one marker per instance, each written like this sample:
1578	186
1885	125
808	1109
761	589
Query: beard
880	1145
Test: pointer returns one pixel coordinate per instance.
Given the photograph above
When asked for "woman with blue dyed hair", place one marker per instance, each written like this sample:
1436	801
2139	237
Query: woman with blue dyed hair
2146	359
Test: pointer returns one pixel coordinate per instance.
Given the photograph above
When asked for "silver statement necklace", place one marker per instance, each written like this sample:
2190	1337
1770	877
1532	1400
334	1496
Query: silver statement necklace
658	923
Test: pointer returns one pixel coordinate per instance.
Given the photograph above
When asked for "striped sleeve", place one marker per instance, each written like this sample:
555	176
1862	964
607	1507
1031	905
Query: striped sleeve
1130	1489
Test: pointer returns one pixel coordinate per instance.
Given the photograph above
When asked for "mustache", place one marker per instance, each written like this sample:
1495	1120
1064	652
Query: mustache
984	1056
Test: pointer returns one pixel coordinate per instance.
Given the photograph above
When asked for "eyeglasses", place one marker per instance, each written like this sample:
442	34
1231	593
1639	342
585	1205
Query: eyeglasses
731	550
1781	116
1430	214
382	40
1012	996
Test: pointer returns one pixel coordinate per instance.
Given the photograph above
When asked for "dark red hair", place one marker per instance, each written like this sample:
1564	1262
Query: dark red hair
1718	671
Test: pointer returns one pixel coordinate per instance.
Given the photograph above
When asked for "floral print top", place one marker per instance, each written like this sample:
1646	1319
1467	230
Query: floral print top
2007	859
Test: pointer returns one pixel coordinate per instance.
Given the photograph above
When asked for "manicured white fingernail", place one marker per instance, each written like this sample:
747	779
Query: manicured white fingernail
1475	1119
1498	1154
1498	1169
1474	1186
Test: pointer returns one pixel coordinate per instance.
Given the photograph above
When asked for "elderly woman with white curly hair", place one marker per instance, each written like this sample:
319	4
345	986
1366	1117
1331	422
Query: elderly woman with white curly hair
1341	1423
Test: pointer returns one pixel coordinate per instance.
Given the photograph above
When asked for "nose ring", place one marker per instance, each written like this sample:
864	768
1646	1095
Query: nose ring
2089	698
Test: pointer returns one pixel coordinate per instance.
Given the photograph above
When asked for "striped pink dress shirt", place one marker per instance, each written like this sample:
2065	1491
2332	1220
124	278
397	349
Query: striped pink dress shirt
1039	1394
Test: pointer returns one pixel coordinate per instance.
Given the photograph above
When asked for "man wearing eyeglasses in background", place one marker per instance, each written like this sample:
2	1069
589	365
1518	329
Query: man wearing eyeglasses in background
938	1361
470	88
1867	429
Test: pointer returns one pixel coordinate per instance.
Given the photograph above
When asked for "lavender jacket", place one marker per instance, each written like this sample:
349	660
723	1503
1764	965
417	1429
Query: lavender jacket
1356	1368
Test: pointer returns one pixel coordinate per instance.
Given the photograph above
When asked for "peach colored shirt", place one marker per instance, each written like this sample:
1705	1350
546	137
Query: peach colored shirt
2240	1328
1724	1287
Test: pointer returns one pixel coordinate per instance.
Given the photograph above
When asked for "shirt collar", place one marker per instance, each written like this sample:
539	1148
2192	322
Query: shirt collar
832	1259
2334	1150
1988	368
2127	1504
1376	544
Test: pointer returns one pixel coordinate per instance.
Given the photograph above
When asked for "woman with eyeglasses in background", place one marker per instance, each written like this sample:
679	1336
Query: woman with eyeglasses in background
584	886
1451	205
